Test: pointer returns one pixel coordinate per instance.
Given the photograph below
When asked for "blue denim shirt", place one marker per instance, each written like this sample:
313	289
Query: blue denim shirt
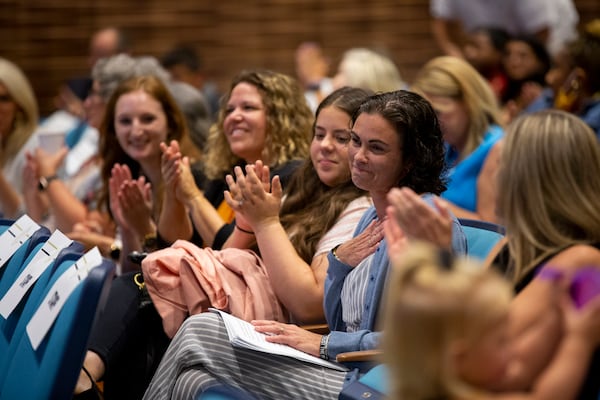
366	338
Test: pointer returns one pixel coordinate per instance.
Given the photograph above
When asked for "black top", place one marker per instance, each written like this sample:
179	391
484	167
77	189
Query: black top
214	193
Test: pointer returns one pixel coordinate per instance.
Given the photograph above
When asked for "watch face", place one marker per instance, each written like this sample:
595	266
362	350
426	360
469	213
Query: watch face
42	184
150	243
115	252
45	181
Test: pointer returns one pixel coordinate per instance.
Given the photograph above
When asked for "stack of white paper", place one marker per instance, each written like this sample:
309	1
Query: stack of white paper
242	334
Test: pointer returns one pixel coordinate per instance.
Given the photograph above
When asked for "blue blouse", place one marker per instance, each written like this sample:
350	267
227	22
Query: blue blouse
366	337
591	115
462	177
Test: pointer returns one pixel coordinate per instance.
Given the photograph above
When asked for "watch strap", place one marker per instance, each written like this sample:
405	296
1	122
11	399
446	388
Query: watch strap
45	181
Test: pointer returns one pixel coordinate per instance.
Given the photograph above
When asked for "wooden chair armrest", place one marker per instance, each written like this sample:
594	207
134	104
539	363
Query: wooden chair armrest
356	356
321	329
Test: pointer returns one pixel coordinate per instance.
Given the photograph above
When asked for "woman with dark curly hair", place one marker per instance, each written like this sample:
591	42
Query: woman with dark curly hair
395	140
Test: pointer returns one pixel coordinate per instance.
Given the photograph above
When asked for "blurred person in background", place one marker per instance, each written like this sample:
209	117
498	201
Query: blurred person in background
185	65
104	43
312	69
553	22
18	121
526	63
367	69
484	50
470	121
580	92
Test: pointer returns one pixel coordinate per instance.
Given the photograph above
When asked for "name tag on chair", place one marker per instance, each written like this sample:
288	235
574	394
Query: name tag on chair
15	236
65	285
30	274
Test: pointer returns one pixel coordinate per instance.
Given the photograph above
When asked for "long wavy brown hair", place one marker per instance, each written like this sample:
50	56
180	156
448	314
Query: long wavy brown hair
311	208
110	149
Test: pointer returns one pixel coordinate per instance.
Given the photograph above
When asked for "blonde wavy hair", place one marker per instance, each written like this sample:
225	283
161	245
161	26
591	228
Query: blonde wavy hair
455	78
549	183
289	123
26	118
432	302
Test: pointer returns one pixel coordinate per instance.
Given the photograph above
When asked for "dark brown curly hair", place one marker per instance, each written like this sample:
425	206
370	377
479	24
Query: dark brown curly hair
421	138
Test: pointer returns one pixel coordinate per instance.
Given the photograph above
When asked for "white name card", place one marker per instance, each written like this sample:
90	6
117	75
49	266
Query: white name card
15	236
30	274
41	322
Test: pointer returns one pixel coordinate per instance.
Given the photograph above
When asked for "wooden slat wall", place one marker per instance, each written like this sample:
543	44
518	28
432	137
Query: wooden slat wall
49	38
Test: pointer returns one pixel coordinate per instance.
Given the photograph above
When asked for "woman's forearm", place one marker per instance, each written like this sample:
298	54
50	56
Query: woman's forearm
205	219
68	210
174	222
298	285
9	199
36	204
130	242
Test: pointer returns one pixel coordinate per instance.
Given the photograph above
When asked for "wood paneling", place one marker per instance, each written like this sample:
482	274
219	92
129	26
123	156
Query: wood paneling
49	38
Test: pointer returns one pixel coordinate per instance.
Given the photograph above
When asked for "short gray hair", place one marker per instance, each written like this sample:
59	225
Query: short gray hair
111	71
195	108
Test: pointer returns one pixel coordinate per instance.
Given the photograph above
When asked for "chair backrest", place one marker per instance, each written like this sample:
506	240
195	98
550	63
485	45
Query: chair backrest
55	365
5	224
12	329
10	271
481	236
371	385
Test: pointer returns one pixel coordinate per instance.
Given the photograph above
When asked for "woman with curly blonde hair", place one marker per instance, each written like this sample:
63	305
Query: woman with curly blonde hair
287	131
264	116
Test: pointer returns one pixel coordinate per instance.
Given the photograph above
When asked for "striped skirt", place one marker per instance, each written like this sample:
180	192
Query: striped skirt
200	356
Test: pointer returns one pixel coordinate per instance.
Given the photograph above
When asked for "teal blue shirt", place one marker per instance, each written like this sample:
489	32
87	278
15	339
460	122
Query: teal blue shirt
462	176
